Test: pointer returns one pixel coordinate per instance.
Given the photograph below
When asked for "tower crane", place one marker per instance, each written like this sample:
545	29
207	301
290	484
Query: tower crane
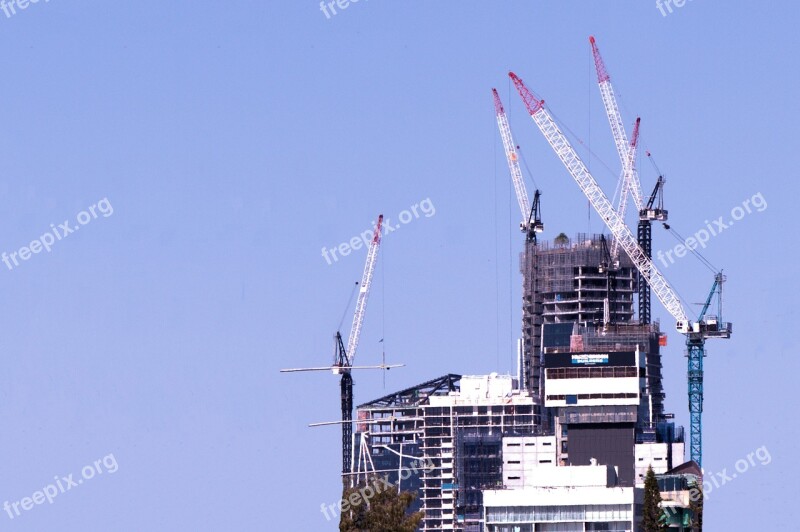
531	224
652	211
630	177
343	358
531	216
696	331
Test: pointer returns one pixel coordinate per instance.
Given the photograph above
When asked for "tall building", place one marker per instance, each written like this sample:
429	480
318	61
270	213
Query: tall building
392	430
570	282
456	425
566	445
565	499
603	394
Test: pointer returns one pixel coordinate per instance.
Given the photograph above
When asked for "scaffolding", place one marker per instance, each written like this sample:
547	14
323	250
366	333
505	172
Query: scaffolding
563	282
572	285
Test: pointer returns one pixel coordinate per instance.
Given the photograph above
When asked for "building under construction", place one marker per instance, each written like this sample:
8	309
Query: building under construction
453	425
588	393
570	281
566	442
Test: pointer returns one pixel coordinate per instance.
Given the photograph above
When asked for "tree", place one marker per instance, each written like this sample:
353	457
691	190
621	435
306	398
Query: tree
561	240
653	516
377	506
697	506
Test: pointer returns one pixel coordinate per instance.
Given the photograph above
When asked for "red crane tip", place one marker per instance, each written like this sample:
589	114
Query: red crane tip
532	102
591	39
498	105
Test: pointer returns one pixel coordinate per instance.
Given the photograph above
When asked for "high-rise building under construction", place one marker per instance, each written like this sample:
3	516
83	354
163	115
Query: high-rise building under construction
570	281
588	401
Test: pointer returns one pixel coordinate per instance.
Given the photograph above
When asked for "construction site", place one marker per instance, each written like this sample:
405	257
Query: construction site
564	443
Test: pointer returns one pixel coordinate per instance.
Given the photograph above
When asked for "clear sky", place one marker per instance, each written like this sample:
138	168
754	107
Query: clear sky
229	143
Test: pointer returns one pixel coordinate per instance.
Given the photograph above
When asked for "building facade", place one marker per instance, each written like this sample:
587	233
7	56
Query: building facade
565	499
564	445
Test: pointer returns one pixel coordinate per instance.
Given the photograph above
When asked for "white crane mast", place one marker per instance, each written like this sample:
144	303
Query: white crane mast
513	159
363	294
630	175
627	182
601	204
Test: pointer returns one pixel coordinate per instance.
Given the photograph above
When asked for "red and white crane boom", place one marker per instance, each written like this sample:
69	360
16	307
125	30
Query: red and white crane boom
512	158
601	204
629	169
617	129
363	294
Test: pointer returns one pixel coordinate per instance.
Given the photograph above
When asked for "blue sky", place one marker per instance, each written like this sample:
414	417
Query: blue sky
235	141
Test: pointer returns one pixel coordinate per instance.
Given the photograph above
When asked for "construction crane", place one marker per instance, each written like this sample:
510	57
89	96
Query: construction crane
531	215
652	211
615	121
531	224
343	358
630	177
696	332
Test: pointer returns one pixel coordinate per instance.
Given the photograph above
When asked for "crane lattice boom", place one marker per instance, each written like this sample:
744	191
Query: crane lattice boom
513	159
601	204
363	294
629	168
615	121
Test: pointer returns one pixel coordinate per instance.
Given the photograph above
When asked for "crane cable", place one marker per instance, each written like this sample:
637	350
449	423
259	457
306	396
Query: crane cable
580	141
704	261
349	302
527	168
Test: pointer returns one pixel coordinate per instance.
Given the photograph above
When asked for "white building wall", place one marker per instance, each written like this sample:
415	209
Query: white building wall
596	385
523	456
593	495
655	455
583	495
